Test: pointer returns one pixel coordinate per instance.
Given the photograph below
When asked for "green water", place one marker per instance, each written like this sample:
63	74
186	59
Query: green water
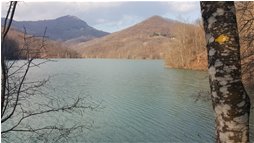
142	101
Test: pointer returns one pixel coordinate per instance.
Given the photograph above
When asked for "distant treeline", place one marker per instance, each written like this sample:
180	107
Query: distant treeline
21	46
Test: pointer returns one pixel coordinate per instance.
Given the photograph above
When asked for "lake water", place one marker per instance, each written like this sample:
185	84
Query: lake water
142	100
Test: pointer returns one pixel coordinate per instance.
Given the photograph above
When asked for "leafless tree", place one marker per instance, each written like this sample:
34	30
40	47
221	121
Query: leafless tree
187	48
245	18
24	101
229	98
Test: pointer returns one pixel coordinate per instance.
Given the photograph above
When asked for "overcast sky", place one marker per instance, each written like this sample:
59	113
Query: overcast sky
107	16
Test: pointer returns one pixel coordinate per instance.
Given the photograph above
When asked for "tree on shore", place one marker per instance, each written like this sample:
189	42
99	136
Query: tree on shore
230	101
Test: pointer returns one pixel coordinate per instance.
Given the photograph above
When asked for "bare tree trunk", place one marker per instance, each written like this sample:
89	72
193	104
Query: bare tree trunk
6	27
230	100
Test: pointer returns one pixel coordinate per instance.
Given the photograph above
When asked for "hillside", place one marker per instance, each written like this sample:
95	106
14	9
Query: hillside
149	39
61	29
18	47
154	38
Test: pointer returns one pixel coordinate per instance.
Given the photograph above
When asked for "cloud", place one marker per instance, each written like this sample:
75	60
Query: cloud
183	7
183	11
124	22
49	10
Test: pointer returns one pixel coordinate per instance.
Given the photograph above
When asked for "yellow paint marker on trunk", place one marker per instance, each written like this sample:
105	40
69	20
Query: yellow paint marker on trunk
222	39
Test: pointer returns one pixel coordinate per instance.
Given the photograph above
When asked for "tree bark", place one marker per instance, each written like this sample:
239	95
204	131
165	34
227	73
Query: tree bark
230	101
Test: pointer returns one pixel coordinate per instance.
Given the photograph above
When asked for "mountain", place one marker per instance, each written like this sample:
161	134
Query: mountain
150	39
61	29
181	45
147	39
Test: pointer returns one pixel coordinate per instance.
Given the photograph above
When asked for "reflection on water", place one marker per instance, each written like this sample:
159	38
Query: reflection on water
142	100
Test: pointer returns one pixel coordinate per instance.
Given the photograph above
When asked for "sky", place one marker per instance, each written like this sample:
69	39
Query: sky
107	16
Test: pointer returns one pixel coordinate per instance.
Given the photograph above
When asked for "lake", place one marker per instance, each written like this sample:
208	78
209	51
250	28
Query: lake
142	101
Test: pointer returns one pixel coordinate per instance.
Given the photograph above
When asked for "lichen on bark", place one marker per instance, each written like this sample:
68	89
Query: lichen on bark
229	98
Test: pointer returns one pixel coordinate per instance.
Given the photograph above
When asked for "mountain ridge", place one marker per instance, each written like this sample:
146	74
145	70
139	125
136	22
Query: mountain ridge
62	28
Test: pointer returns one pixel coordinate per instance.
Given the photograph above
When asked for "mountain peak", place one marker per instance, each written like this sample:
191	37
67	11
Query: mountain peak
154	21
69	17
156	17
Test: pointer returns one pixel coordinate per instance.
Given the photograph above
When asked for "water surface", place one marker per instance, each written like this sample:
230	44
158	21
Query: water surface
142	101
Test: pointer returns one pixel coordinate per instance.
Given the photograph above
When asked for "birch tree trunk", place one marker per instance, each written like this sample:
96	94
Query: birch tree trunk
230	101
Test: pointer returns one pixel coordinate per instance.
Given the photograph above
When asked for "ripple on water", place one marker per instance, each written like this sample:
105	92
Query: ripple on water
142	100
